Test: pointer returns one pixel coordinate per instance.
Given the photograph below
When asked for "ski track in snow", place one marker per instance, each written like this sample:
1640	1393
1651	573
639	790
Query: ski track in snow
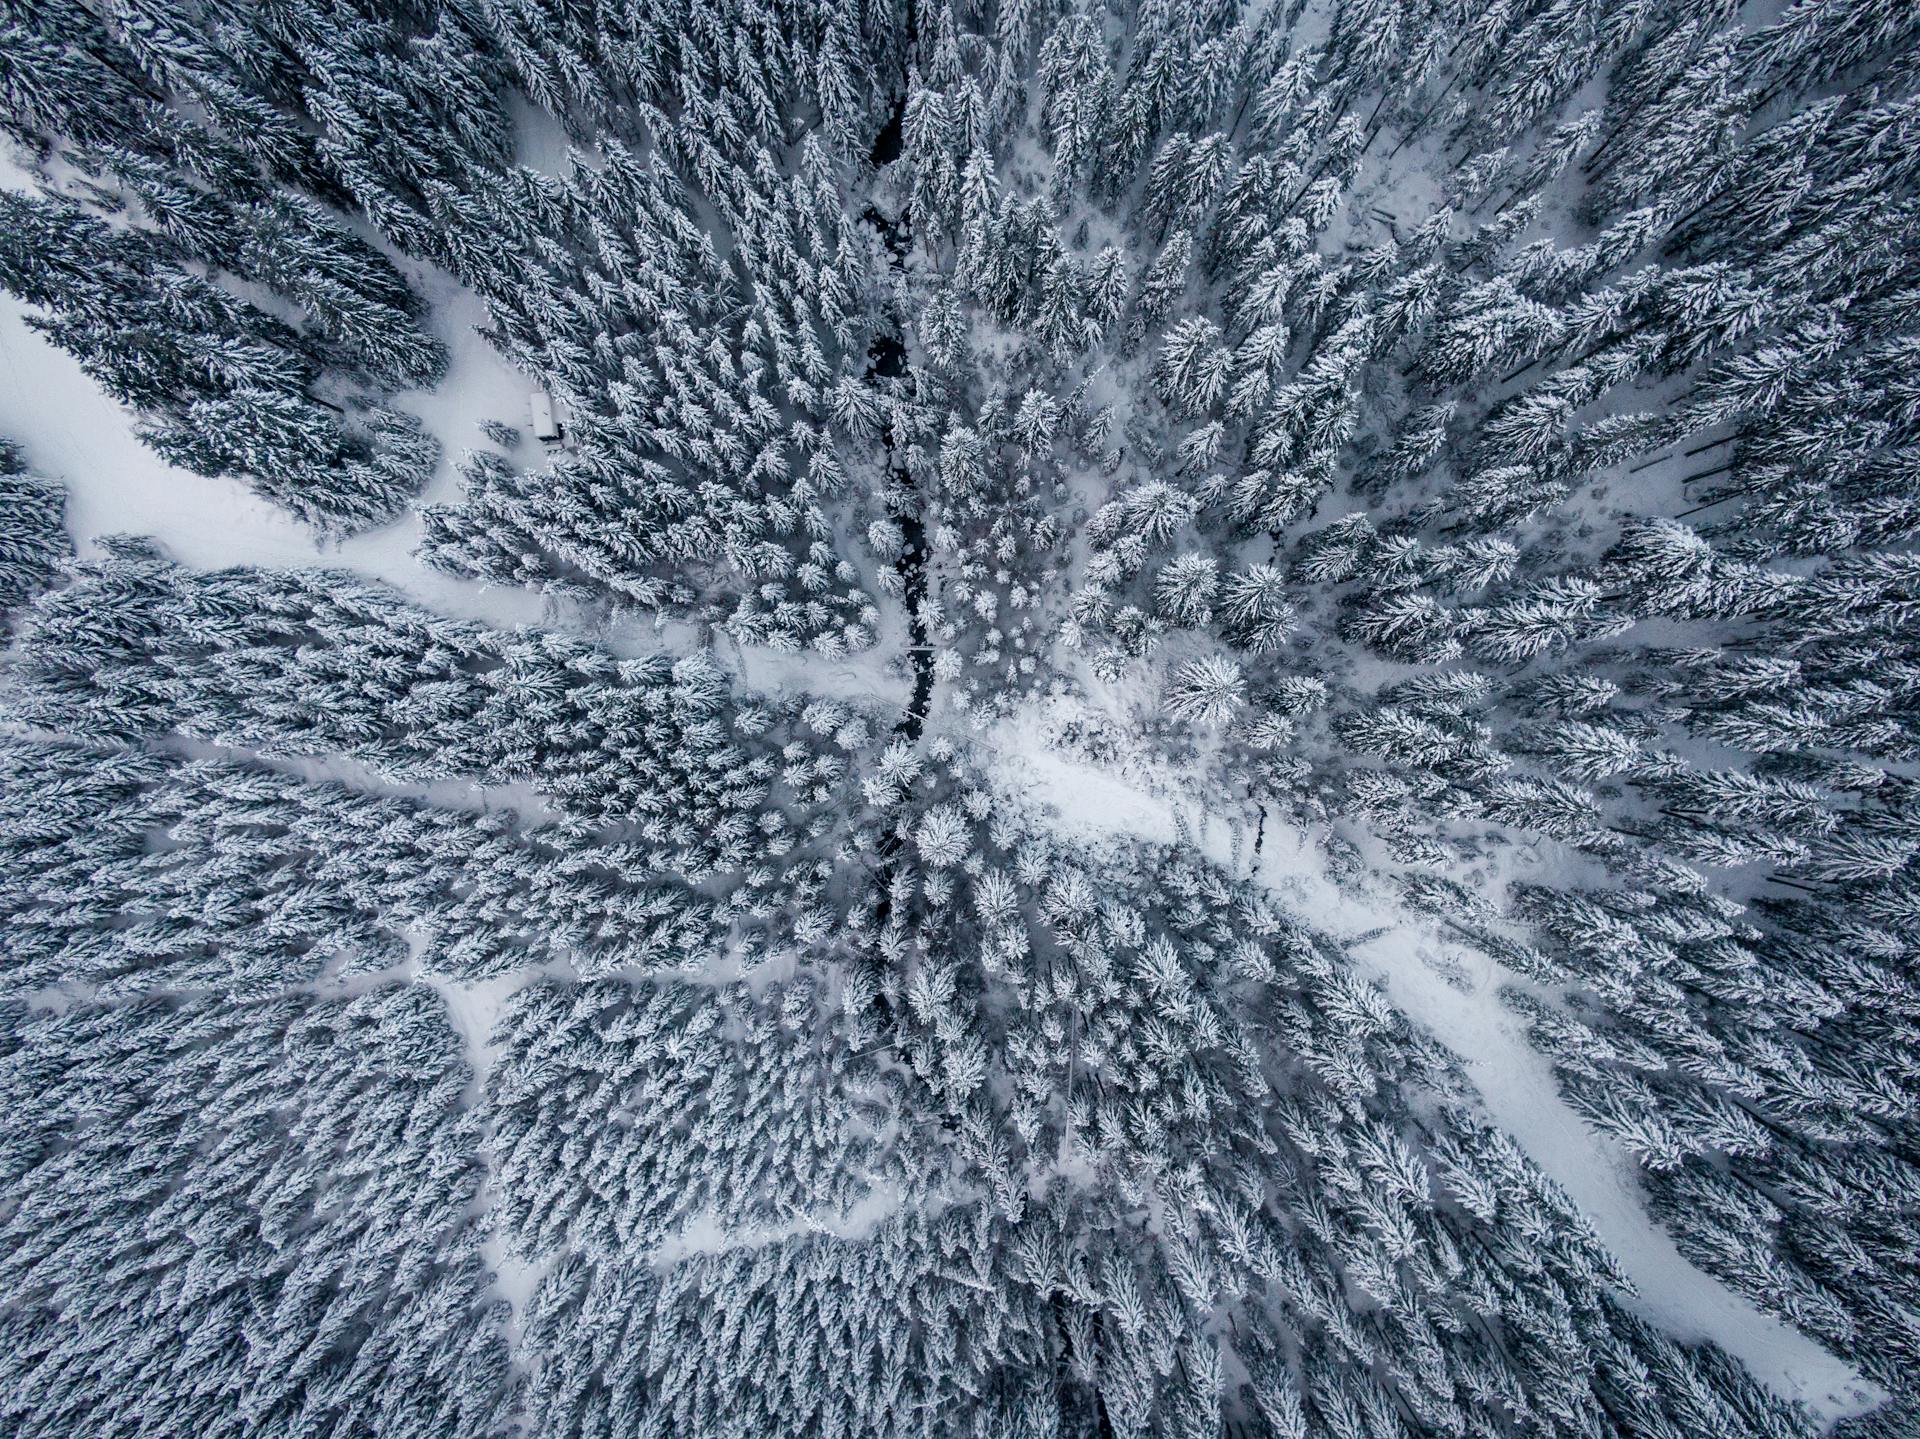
1097	806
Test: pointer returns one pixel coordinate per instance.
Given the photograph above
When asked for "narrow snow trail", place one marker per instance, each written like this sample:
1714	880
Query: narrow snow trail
1516	1082
473	1006
704	1234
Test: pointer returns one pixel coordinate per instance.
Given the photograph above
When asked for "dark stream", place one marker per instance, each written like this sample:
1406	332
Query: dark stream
887	360
888	143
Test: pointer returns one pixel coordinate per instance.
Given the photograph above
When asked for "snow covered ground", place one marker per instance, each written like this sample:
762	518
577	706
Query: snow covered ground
1096	804
116	485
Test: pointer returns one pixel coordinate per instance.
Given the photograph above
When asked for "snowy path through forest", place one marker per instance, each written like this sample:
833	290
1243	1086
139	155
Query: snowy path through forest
474	1008
1093	804
74	433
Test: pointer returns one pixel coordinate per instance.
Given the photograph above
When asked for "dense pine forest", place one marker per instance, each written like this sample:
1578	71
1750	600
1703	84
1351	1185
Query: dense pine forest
1154	718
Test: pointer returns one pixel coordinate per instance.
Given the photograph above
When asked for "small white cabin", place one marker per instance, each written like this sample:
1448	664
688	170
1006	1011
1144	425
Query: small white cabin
545	428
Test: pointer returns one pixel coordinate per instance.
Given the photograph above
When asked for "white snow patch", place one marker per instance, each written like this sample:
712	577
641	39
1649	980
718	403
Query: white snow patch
474	1007
706	1234
863	678
541	142
1087	801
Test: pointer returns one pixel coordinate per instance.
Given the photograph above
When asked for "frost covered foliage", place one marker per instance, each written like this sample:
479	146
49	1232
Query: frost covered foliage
771	1115
222	385
1477	442
235	1218
33	532
310	662
249	882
